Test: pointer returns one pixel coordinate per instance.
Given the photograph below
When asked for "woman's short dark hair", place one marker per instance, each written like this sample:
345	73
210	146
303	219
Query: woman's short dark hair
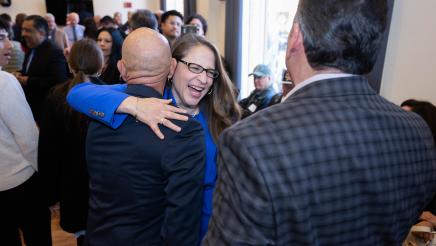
342	34
202	20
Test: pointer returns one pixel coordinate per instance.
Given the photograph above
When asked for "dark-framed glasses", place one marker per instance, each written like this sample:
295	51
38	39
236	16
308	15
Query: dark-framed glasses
195	68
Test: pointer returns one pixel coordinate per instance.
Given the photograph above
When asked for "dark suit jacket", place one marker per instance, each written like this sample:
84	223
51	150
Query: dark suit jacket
143	190
335	164
47	68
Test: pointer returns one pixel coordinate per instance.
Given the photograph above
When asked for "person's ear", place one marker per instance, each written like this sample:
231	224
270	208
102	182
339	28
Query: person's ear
295	40
173	64
122	69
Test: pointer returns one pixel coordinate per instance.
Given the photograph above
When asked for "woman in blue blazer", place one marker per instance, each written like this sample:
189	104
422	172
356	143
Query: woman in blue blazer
199	86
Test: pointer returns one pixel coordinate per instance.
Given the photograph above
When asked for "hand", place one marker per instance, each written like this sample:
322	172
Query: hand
426	236
428	216
153	111
22	79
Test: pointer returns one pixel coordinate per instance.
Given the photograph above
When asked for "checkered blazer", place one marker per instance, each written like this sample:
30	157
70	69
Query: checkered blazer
335	164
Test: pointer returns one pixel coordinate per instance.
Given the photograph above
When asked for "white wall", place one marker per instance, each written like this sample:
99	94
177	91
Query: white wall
101	7
25	6
214	12
109	7
410	65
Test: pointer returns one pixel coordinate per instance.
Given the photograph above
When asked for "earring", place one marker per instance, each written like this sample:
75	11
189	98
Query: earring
210	92
169	81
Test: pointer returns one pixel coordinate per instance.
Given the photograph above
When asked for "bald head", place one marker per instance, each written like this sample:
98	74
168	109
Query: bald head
146	55
73	17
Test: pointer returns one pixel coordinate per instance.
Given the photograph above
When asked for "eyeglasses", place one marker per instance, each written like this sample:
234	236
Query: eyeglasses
195	68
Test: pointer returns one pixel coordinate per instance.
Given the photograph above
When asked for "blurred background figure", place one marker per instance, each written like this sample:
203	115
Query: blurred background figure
17	54
287	86
261	96
427	219
110	41
118	19
44	65
91	29
19	19
143	18
106	22
73	29
55	34
198	21
171	25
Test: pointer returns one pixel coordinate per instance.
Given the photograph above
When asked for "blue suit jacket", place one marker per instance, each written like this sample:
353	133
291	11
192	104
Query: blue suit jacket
335	164
143	190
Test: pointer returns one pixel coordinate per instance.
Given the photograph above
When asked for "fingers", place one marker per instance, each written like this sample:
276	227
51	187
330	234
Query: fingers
157	131
172	126
175	109
174	116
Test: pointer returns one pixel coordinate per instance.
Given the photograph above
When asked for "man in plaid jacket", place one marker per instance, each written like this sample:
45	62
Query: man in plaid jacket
335	163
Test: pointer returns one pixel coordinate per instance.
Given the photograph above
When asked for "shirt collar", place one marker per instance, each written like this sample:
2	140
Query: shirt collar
313	79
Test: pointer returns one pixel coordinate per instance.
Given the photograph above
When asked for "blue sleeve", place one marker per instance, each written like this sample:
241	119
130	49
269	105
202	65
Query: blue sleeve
99	102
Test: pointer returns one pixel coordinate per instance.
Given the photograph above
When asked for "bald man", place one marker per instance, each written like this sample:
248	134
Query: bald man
143	190
73	30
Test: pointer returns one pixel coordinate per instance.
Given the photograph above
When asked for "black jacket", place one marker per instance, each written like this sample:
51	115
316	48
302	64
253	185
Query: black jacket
143	190
47	68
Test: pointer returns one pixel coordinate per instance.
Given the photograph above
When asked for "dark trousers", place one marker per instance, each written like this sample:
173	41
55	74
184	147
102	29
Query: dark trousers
23	207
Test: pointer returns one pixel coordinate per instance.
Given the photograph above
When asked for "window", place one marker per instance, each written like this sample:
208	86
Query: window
175	4
266	25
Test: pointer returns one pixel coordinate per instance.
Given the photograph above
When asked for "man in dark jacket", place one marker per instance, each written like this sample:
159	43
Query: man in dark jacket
261	96
44	65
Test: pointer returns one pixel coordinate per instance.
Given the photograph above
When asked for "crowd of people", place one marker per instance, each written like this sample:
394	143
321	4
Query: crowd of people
135	130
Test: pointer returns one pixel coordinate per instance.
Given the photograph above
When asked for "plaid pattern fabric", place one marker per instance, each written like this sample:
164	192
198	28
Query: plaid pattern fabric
335	164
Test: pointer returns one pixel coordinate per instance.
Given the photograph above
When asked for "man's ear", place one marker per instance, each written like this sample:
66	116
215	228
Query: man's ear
173	65
295	39
122	68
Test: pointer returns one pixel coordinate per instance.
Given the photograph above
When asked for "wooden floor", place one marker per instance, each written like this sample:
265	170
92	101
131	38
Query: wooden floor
59	236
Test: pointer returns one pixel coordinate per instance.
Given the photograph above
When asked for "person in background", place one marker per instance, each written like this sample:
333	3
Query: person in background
55	34
19	19
110	41
44	65
22	205
107	22
325	166
61	152
17	54
171	25
118	19
261	96
428	112
287	86
198	21
143	18
90	29
199	85
73	29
